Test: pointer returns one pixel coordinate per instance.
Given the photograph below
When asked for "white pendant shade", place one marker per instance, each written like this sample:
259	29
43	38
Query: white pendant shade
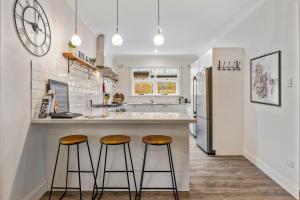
76	40
117	40
159	39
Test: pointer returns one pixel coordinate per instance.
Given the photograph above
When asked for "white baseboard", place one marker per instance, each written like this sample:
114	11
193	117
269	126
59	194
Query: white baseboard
37	193
273	174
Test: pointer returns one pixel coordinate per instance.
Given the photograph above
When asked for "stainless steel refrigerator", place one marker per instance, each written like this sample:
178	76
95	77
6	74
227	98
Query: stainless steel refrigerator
202	108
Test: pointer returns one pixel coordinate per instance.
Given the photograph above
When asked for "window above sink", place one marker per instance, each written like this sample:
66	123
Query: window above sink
155	81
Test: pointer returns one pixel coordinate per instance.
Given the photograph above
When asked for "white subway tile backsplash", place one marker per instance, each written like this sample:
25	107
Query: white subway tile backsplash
37	94
36	75
81	88
34	85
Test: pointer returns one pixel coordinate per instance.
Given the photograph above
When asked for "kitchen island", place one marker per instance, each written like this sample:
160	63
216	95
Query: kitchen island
136	125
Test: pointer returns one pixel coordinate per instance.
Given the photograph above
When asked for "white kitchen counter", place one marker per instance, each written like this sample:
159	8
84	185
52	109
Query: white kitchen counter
135	125
158	104
124	117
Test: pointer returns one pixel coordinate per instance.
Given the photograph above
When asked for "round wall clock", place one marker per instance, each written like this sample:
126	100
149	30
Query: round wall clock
32	26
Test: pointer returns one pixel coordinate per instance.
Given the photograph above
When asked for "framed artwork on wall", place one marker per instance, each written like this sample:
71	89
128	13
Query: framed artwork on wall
265	79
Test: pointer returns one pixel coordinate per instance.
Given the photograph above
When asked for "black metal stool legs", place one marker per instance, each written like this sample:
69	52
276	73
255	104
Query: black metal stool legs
97	170
172	172
126	167
79	177
72	171
89	151
67	174
132	168
143	171
54	172
104	172
127	171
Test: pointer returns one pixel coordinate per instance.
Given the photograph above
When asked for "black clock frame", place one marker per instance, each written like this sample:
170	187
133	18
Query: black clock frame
45	23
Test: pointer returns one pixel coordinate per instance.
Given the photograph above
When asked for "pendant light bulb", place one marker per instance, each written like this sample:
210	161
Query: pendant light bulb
117	40
76	40
158	39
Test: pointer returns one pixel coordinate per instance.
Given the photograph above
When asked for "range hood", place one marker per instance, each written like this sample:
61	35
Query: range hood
106	71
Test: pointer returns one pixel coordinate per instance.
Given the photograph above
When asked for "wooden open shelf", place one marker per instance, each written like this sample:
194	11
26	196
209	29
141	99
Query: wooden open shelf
105	71
71	57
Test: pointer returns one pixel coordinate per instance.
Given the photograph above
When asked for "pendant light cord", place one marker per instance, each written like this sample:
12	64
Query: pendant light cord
76	18
158	16
117	29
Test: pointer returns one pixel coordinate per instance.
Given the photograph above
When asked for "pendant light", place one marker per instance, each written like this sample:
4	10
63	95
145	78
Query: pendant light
117	39
75	40
158	39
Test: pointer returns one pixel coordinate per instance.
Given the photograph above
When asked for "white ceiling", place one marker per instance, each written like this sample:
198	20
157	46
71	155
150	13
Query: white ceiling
188	25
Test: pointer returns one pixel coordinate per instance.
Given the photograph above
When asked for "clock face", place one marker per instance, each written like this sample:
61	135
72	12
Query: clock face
32	26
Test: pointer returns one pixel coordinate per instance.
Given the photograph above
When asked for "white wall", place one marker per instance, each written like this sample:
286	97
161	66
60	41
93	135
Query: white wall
124	62
271	134
1	63
22	146
299	97
228	97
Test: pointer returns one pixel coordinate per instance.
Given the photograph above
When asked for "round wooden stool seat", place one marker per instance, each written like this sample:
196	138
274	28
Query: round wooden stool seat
115	139
157	139
73	139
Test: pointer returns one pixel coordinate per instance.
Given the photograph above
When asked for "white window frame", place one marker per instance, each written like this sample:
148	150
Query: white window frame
155	80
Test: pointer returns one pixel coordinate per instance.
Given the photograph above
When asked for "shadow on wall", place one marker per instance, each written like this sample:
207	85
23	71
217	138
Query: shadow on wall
250	128
30	174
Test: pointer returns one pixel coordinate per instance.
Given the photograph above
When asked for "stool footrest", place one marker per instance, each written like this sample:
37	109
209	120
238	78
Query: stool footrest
112	188
154	188
64	188
76	171
117	171
158	171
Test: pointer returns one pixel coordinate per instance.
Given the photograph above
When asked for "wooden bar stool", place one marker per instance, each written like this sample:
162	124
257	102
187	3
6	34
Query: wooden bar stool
156	140
69	141
106	141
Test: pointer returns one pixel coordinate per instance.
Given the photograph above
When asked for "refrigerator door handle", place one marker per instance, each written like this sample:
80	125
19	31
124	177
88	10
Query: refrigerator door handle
195	96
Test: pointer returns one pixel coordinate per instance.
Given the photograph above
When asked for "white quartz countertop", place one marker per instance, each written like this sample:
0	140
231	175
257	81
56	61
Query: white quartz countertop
123	117
137	104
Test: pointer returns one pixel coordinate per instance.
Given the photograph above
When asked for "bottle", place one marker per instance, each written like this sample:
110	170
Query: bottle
56	106
179	100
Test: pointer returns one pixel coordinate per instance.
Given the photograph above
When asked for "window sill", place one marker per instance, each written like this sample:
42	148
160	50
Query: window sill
155	95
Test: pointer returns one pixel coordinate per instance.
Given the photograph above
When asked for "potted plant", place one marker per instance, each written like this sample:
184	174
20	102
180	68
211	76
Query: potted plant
72	48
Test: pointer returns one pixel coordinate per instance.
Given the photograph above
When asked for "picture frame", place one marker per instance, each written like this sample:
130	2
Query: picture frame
265	79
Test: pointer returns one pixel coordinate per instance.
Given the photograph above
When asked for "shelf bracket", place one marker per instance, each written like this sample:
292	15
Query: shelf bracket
89	74
70	63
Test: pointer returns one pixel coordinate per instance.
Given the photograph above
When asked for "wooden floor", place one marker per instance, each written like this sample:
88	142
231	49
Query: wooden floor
212	178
